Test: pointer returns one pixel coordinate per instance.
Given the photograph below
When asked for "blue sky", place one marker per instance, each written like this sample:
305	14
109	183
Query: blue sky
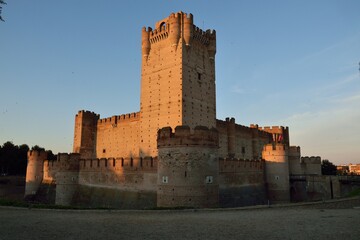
290	63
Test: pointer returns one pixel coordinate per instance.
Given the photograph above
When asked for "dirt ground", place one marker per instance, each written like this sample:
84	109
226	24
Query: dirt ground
337	220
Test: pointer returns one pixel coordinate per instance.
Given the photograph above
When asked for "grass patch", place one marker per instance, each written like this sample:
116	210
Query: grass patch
24	204
354	193
13	203
4	181
170	208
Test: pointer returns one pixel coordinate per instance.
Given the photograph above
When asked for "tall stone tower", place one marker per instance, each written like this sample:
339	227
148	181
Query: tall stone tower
177	78
85	133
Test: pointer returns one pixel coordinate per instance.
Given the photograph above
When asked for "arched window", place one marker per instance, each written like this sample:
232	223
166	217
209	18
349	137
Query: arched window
162	26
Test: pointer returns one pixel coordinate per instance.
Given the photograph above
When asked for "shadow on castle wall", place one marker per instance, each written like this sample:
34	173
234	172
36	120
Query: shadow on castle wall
112	182
241	182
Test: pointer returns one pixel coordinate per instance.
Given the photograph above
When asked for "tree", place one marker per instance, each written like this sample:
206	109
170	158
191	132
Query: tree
328	168
2	2
37	148
21	163
8	153
50	155
13	158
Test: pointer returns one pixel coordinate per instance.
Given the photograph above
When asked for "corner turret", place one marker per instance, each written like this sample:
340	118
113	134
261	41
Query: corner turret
212	44
174	28
145	42
188	28
280	134
34	171
277	172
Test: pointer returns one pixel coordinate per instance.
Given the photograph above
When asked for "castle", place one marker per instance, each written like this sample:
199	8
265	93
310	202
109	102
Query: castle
173	152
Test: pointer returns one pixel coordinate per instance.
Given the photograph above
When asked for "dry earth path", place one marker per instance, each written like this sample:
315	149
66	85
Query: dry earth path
336	221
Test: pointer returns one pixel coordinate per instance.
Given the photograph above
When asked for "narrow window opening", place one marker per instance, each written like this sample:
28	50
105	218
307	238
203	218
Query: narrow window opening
243	150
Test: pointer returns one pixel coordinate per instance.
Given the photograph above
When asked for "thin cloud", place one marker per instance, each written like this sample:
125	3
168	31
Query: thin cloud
350	99
321	52
348	79
331	133
237	89
337	84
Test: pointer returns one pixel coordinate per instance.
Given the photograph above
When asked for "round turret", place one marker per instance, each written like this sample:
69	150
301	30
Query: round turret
145	43
188	28
212	44
34	171
277	172
174	27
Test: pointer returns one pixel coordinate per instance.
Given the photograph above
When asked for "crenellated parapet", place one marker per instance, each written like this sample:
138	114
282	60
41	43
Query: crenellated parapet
68	161
168	28
182	136
87	114
271	148
50	168
118	164
280	134
52	164
204	37
311	165
156	36
253	130
36	156
114	120
294	150
311	160
178	27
